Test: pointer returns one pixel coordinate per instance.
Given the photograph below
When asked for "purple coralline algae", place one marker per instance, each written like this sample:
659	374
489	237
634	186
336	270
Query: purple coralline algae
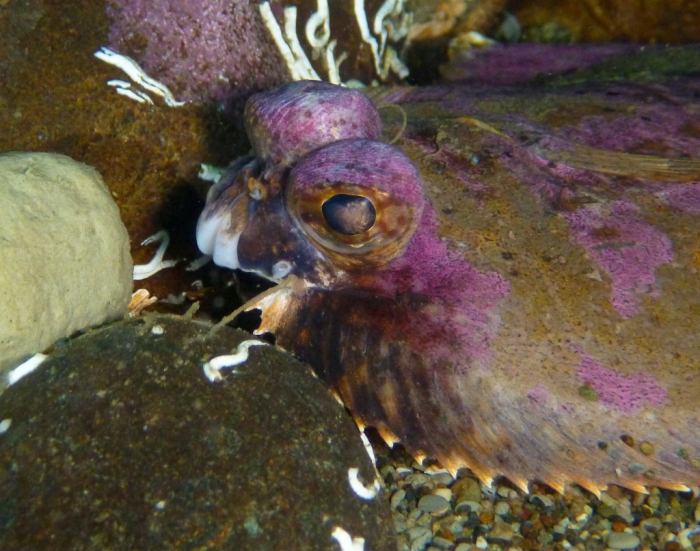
626	393
506	64
214	50
203	50
626	246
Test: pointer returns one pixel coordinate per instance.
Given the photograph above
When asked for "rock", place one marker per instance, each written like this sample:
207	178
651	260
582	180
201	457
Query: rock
502	508
65	253
432	503
118	441
420	537
652	524
501	531
622	540
467	489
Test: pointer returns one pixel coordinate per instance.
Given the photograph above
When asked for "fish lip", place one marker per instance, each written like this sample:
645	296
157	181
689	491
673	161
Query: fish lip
224	252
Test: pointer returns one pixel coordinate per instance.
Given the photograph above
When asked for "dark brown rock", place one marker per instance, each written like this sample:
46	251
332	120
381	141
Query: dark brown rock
119	442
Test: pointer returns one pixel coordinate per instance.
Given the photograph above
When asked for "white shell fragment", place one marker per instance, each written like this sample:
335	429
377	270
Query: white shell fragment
24	369
195	265
347	542
212	368
143	271
138	75
5	425
210	173
360	489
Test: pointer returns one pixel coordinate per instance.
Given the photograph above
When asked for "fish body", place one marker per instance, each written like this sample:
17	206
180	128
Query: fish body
514	289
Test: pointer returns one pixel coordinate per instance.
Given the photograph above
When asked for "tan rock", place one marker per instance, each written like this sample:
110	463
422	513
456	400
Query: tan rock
64	253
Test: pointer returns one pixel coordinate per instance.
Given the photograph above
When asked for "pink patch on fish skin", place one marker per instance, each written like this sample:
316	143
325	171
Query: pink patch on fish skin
650	129
626	393
457	295
682	197
628	247
539	394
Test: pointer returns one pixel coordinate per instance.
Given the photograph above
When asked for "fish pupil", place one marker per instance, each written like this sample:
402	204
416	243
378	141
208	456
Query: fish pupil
349	214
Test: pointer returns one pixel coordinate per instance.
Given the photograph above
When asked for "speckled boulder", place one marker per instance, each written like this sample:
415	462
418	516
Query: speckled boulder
64	249
120	442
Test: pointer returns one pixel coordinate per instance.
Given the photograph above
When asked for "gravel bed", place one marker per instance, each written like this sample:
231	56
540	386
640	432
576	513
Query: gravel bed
433	511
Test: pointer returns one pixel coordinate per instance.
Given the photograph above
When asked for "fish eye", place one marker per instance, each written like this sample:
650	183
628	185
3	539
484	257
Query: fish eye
349	214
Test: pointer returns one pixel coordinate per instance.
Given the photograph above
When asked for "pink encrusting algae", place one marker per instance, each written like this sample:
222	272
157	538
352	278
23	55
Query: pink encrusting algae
682	197
204	50
626	246
625	393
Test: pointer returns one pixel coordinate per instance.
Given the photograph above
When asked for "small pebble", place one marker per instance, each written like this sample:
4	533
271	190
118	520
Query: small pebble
467	489
488	491
652	524
684	537
442	543
622	540
400	523
467	506
463	547
442	478
605	511
417	479
501	508
420	537
546	501
434	504
502	531
397	498
487	517
444	492
481	543
503	491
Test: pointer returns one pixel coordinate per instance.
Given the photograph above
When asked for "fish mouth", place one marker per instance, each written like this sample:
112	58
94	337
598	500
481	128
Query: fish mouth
223	248
216	240
222	224
246	227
